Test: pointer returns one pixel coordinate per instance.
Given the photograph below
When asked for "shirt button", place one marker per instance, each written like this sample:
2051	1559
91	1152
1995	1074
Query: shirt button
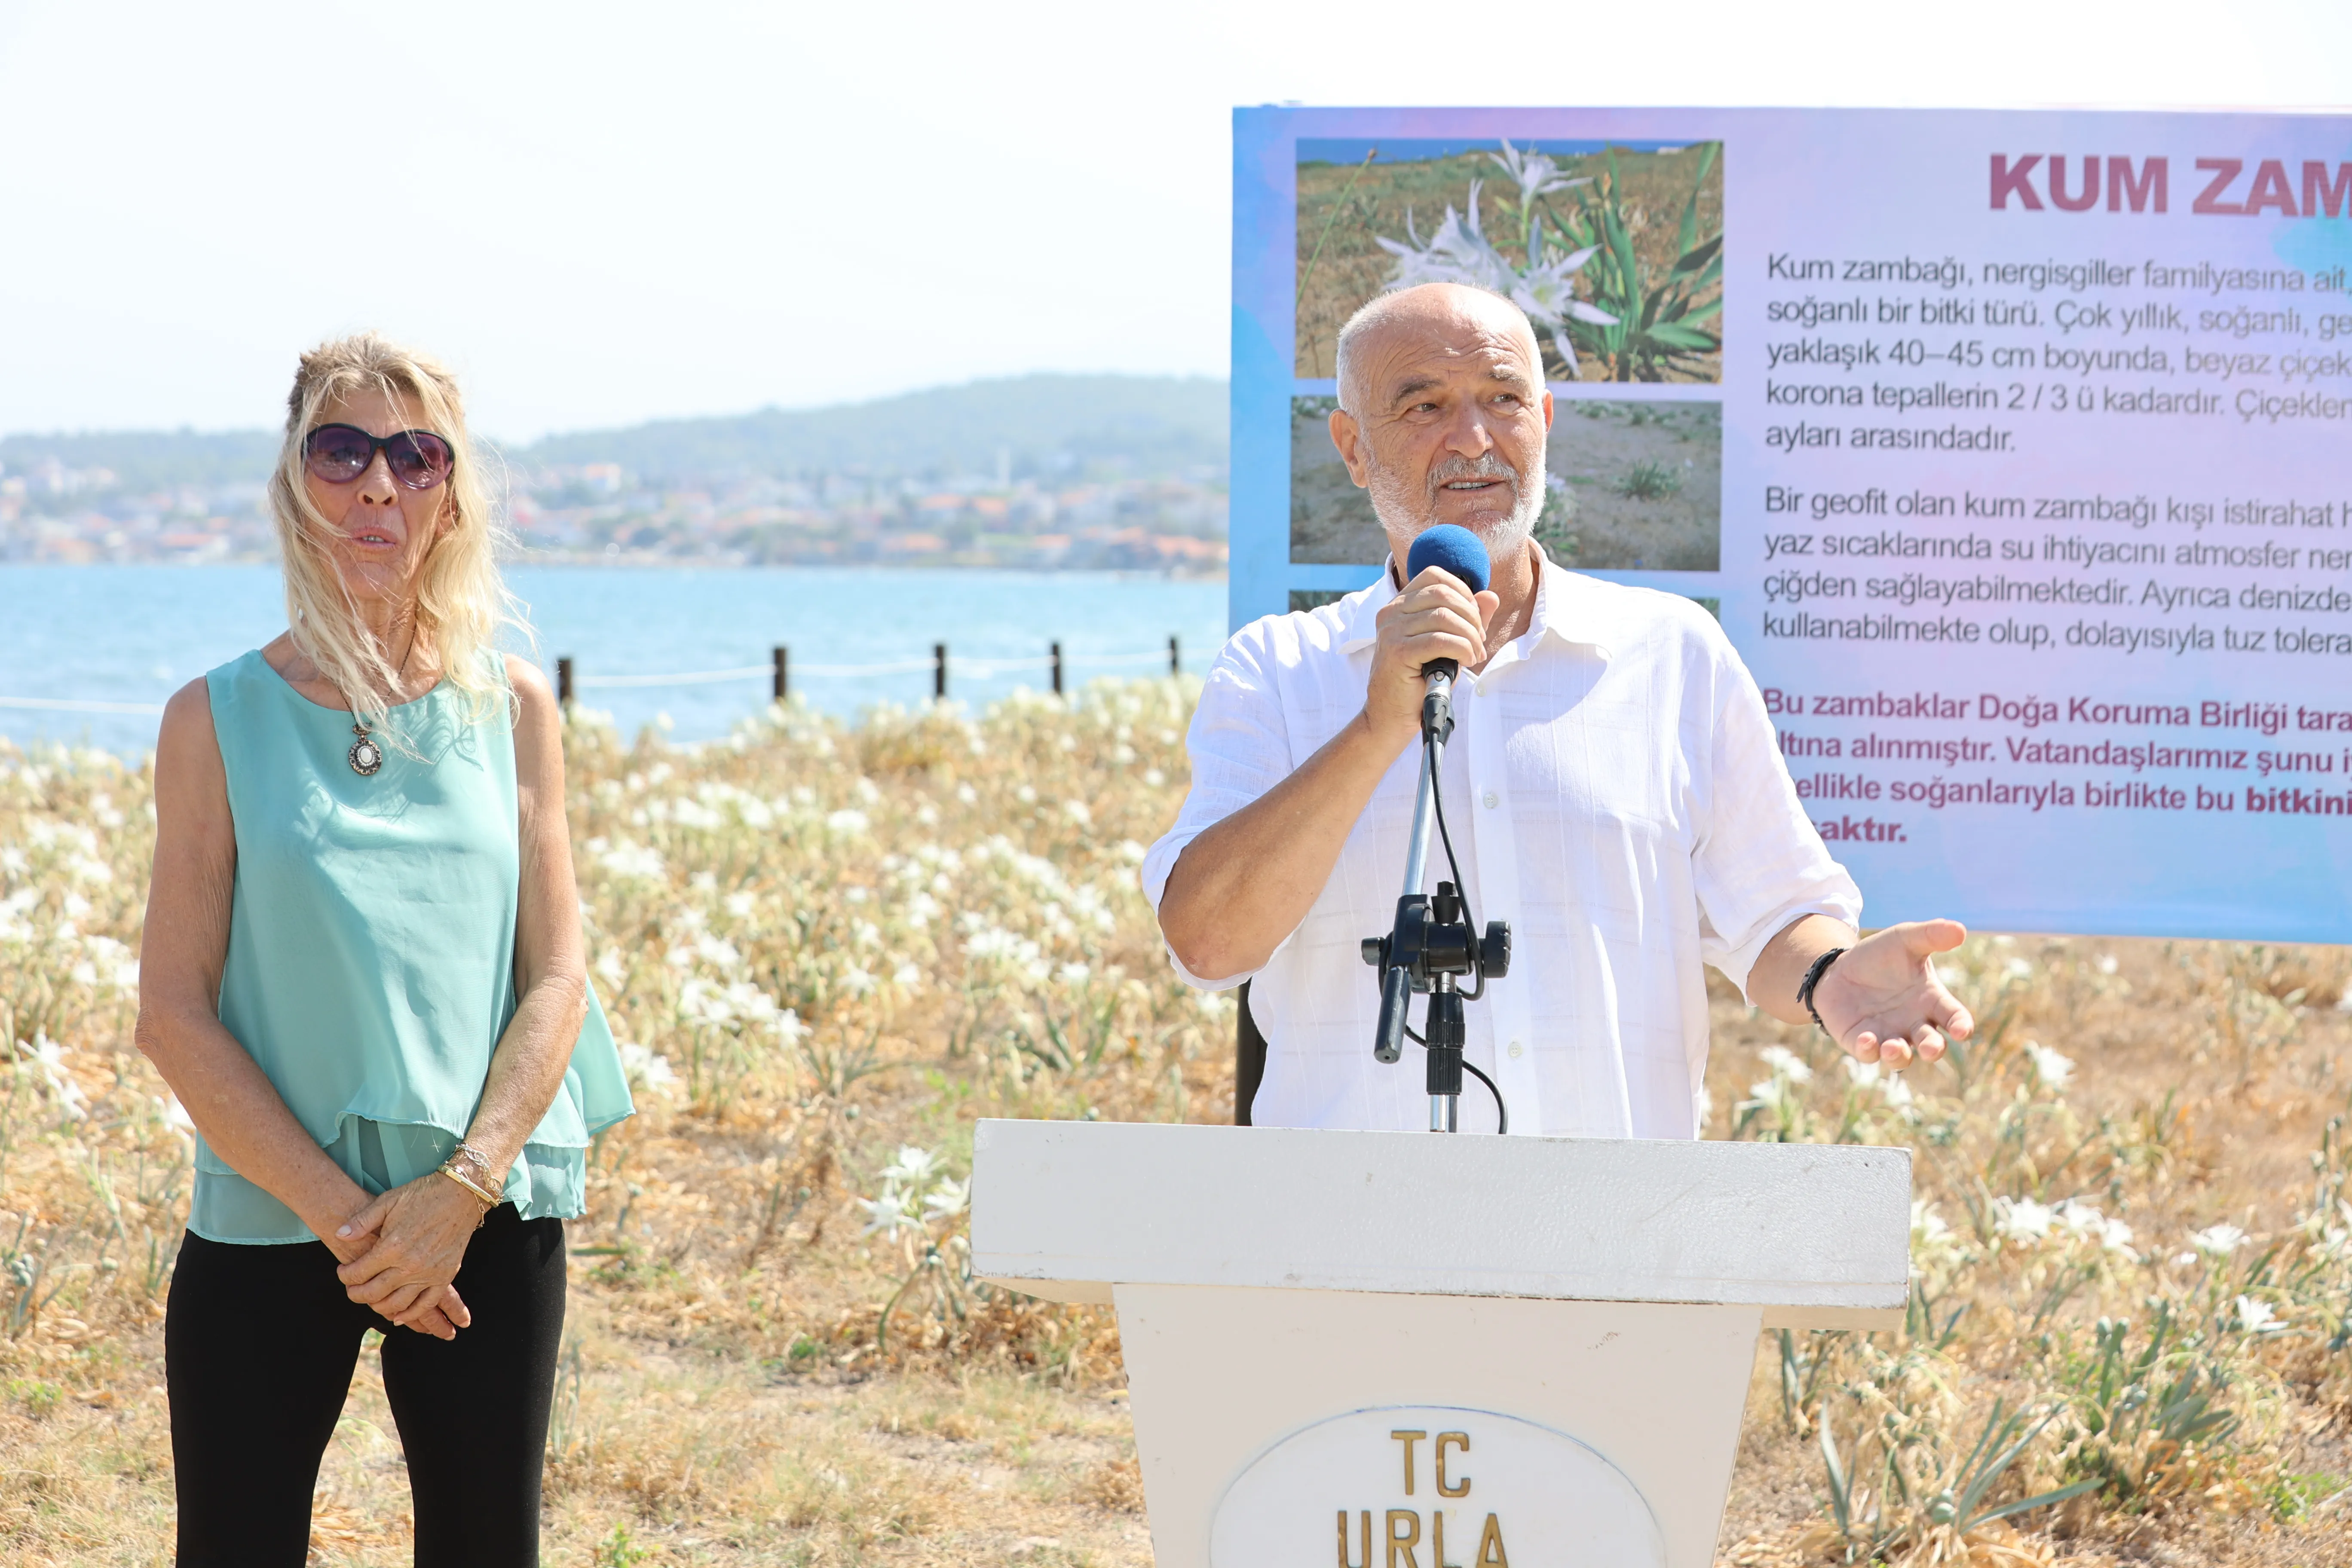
1491	802
1516	1051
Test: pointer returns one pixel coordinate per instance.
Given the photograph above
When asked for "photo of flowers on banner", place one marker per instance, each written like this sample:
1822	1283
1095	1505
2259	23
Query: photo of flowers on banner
1614	250
1627	485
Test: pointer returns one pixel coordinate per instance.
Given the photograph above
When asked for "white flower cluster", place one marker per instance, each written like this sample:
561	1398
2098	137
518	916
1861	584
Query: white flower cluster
49	1059
2217	1241
2027	1223
989	944
916	1192
627	859
1932	1241
1874	1077
1779	1093
2053	1068
2256	1317
1460	252
646	1070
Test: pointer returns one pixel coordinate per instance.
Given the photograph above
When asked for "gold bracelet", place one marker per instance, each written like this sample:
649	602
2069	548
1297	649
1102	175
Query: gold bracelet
490	1200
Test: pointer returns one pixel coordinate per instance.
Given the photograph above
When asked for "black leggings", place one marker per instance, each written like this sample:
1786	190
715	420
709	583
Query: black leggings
258	1347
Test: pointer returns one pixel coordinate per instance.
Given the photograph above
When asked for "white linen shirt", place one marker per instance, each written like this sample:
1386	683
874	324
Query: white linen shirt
1615	792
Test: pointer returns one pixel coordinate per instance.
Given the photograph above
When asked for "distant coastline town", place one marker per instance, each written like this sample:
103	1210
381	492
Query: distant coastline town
1044	472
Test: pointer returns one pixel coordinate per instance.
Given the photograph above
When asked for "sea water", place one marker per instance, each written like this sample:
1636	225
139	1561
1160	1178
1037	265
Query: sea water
136	634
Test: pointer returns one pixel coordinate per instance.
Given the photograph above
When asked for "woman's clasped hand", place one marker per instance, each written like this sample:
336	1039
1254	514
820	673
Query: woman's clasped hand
399	1254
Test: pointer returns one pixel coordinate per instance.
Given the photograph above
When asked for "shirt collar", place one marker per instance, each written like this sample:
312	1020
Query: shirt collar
1568	611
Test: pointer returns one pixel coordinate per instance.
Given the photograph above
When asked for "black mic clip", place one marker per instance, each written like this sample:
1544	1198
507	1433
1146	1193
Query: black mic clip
1437	703
1431	938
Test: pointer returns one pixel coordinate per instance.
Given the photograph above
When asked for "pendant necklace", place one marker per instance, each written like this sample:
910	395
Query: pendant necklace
365	756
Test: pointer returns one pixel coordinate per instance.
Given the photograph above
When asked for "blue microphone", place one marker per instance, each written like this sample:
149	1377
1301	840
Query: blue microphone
1461	553
1456	547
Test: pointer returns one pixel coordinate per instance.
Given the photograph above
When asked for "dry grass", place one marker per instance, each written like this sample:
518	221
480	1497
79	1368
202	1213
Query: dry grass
838	943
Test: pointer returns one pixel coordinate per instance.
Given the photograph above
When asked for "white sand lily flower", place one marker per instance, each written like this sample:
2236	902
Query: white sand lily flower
2052	1068
50	1058
2023	1220
627	859
1534	173
1785	1063
946	1200
1930	1234
915	1165
2257	1317
2217	1241
889	1214
644	1069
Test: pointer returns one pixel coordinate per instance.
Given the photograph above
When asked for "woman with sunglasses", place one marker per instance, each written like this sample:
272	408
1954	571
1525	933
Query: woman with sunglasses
363	976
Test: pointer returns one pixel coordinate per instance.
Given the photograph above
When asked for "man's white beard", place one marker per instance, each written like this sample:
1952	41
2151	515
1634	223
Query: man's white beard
1402	510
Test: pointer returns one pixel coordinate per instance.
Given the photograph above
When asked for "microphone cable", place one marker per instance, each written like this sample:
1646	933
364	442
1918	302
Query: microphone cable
1469	918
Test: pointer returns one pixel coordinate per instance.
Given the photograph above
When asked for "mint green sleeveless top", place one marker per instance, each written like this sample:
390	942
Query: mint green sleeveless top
370	948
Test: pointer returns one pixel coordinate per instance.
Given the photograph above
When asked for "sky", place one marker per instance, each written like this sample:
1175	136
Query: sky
601	214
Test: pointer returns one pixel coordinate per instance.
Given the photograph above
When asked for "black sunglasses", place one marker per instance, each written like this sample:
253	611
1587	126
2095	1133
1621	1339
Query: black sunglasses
337	453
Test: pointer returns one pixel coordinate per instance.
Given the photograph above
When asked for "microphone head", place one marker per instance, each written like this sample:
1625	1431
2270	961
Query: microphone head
1456	549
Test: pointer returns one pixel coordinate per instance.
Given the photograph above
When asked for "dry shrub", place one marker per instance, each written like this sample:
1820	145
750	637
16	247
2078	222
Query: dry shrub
1117	1486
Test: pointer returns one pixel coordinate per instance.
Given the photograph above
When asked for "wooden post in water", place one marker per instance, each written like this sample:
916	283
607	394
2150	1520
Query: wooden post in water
939	672
563	680
1057	670
1175	659
784	682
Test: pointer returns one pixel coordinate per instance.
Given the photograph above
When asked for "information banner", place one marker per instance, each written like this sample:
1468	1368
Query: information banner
2009	448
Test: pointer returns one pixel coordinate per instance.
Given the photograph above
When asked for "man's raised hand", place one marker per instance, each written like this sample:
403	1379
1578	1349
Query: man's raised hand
1882	1001
1436	616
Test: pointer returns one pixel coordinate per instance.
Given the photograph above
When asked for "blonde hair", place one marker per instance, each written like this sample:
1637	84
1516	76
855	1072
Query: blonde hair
461	601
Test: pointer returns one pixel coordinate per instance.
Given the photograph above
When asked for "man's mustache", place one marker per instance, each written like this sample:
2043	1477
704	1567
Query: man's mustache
1486	467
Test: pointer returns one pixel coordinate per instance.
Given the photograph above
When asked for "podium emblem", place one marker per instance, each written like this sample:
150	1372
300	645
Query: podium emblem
1428	1486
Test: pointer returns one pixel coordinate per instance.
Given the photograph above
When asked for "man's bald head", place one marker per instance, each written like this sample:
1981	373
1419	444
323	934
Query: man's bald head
1442	413
1434	310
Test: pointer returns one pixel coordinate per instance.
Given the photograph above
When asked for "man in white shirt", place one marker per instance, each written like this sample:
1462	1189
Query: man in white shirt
1613	790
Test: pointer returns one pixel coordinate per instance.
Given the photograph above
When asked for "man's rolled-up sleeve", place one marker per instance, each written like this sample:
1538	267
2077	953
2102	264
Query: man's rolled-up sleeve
1239	748
1760	864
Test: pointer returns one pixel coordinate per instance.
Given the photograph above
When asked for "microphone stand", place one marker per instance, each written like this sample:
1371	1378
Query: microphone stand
1431	942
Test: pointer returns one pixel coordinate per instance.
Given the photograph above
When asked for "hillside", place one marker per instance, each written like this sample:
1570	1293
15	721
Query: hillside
1142	425
141	459
1145	423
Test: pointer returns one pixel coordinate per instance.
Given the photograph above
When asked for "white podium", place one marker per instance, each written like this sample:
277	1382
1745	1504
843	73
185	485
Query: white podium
1409	1349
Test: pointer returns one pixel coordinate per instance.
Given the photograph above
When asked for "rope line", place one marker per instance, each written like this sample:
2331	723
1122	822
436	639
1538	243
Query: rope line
690	678
1157	656
896	666
978	668
981	668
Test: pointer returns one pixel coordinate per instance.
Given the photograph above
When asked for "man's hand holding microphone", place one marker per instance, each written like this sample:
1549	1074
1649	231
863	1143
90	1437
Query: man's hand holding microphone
1246	882
1445	613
